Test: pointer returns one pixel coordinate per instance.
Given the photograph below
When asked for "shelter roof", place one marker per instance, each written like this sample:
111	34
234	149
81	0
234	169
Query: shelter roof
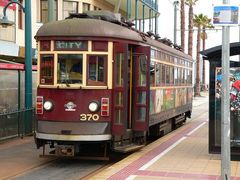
215	53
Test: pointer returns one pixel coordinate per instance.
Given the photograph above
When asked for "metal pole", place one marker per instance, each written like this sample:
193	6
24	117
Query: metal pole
225	105
51	10
143	17
28	63
175	3
136	13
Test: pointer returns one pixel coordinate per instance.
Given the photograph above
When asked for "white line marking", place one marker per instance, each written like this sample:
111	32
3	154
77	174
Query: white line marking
144	167
199	126
131	177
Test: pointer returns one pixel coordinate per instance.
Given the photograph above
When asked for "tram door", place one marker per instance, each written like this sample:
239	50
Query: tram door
141	88
120	89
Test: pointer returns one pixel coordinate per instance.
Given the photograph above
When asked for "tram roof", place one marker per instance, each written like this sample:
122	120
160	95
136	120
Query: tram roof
85	27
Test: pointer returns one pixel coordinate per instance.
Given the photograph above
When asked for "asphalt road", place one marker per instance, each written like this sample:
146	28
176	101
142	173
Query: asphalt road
62	169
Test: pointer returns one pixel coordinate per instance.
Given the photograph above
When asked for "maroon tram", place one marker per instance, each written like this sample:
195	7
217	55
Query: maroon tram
106	83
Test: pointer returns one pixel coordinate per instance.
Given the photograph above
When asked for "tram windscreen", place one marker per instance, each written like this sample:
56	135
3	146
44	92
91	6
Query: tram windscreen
70	68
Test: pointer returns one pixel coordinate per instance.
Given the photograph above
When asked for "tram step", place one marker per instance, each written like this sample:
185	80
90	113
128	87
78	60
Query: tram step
128	148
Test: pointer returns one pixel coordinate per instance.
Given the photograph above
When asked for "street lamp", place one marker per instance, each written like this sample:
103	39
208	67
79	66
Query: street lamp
28	53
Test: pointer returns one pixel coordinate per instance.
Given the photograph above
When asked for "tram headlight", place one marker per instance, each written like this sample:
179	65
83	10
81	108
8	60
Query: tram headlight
93	106
48	105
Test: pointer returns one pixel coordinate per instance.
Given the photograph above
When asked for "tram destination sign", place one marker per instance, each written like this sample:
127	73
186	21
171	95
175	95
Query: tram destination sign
71	45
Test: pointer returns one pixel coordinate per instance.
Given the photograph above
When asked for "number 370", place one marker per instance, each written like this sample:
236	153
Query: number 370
89	117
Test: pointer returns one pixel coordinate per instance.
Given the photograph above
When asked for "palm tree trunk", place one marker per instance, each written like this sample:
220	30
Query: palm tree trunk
197	89
204	66
183	25
190	30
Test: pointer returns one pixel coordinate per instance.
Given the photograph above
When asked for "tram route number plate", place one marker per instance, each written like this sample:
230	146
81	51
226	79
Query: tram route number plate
89	117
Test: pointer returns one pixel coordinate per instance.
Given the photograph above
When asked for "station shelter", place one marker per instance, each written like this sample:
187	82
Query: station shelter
213	55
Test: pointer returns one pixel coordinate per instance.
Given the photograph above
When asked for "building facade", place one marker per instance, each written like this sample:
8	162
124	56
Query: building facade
143	13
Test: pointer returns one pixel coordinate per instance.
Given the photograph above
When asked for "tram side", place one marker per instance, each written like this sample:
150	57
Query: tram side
171	91
111	87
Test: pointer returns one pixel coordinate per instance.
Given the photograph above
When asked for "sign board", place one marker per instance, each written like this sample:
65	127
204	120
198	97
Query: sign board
225	15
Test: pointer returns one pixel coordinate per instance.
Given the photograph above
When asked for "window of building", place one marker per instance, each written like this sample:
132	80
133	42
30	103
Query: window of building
20	16
97	70
69	7
70	68
86	7
44	11
96	8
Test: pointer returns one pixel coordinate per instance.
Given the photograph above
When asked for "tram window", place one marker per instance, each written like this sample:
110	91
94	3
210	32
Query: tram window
163	80
118	116
141	98
152	73
141	114
119	80
119	99
175	76
167	75
97	70
179	76
46	69
142	70
185	77
171	75
70	68
158	74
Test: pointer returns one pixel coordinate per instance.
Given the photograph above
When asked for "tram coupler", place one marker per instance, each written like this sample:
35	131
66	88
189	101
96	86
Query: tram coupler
64	150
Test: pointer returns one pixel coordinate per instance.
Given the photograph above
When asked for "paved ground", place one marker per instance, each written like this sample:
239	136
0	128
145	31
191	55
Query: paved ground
182	154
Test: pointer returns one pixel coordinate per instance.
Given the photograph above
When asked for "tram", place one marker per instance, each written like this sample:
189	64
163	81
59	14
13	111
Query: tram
102	82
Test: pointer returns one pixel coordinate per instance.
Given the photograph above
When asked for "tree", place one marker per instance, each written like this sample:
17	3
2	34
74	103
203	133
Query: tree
182	10
190	4
206	24
197	22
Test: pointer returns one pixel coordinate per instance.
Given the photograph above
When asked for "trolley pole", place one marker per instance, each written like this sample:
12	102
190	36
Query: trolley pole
225	105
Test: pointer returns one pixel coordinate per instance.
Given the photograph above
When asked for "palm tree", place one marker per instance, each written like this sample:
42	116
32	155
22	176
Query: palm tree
182	10
190	3
206	24
197	22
